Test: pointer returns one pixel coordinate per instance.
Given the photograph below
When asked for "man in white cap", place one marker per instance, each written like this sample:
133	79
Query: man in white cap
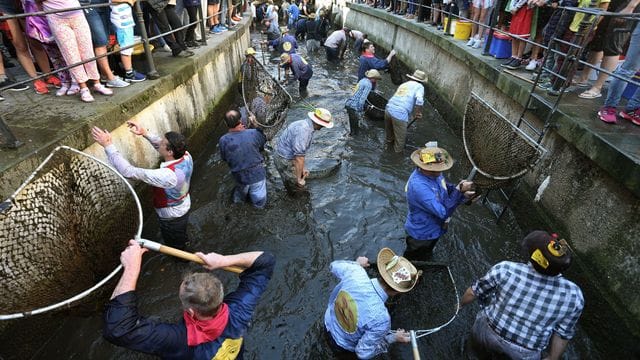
355	104
406	103
292	145
300	68
431	200
336	44
357	321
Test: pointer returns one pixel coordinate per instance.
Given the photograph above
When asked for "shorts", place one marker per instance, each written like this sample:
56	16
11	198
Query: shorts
610	42
8	7
521	22
483	4
98	20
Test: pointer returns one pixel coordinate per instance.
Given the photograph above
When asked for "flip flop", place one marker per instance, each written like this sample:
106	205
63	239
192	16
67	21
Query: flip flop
590	94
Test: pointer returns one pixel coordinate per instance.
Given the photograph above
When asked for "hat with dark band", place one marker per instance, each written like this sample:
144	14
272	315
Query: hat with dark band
547	254
432	158
398	272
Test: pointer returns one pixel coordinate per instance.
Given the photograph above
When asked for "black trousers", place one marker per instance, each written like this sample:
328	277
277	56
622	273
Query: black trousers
354	120
174	231
419	250
175	41
192	11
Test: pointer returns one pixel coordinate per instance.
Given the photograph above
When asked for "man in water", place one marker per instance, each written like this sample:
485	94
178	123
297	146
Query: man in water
431	200
313	35
526	308
292	146
241	149
356	320
212	326
405	103
300	68
369	61
272	32
336	44
355	104
170	182
285	44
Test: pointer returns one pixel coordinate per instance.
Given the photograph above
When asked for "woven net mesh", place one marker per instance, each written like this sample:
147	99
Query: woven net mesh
63	230
495	147
264	97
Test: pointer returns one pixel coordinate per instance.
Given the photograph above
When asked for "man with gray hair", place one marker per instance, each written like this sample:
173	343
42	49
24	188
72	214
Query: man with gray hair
212	324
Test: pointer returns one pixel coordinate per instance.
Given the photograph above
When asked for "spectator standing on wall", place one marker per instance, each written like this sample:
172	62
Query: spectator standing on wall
336	44
123	23
192	11
369	61
165	18
526	308
480	11
405	103
170	182
213	10
522	15
356	103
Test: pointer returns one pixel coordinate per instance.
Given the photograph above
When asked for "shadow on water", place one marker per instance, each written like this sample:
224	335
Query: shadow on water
355	211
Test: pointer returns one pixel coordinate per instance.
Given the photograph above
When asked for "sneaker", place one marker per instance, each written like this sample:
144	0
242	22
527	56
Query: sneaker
74	89
511	59
134	77
54	81
223	27
532	65
117	82
40	86
63	90
545	85
184	54
11	85
514	65
471	42
85	95
215	30
553	92
608	114
192	44
477	44
163	48
633	116
101	89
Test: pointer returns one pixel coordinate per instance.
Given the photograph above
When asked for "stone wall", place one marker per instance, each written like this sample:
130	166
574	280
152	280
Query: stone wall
587	200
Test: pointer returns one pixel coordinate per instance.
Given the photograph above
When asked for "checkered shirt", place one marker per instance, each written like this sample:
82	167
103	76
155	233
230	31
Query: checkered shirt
526	307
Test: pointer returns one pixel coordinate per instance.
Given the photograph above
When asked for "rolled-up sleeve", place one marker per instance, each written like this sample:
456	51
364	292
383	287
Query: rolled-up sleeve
163	177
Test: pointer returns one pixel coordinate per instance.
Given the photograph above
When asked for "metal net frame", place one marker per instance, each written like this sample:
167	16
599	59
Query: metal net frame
264	97
498	150
62	231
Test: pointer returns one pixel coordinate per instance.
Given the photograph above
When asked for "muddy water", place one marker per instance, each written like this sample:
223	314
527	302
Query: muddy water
354	211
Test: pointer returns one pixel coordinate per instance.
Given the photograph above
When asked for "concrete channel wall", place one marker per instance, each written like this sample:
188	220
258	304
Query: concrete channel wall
589	200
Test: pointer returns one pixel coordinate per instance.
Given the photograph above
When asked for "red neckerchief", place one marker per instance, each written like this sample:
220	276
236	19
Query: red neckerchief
201	331
367	55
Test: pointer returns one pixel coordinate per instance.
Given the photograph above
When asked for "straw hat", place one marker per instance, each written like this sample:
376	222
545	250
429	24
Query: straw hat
398	272
373	74
321	117
432	159
418	75
250	51
284	58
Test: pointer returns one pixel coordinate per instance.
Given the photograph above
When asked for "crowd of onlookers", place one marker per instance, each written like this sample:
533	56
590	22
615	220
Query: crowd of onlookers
540	21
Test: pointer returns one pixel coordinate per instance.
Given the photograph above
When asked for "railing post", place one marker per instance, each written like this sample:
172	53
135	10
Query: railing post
203	27
152	73
447	29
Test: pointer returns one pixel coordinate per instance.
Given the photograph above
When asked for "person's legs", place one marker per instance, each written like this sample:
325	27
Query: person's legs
400	131
419	250
630	66
593	58
240	193
353	121
190	36
388	129
22	50
175	22
68	45
174	231
258	194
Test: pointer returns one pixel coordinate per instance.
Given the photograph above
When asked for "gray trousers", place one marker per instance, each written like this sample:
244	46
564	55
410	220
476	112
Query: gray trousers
395	132
485	343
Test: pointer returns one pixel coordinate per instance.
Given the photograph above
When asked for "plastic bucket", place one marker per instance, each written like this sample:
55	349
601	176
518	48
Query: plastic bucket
462	31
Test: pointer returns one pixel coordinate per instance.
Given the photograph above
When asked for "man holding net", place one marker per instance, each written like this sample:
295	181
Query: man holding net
170	182
406	103
526	308
357	322
212	326
431	200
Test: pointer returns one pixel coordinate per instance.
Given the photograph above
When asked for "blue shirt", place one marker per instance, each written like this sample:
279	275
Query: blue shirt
287	44
431	201
124	326
241	150
295	139
370	62
408	95
526	307
359	97
299	67
366	328
293	11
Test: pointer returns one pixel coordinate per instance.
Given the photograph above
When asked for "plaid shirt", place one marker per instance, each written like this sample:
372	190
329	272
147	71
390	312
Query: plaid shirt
526	307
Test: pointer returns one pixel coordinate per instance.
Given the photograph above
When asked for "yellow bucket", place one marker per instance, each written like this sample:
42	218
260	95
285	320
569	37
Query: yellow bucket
463	30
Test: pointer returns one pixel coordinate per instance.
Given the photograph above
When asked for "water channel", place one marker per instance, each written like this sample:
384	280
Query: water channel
355	211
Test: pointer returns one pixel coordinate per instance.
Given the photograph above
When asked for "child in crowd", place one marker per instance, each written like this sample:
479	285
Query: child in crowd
521	27
73	37
123	23
480	10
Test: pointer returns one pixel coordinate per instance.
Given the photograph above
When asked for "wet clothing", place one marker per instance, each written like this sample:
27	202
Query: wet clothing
300	69
241	150
355	104
333	44
295	139
313	30
123	326
525	307
409	95
285	44
356	316
273	31
430	201
368	62
395	132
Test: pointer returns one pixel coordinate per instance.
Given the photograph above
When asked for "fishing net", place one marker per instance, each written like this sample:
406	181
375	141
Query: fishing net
376	103
62	232
497	149
264	97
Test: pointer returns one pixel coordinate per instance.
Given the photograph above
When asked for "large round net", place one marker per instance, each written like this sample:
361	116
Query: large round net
62	232
497	149
375	106
264	97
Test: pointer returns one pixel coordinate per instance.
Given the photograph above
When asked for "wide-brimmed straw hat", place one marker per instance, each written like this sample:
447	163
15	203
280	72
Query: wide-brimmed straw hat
373	73
284	58
432	159
321	117
398	272
418	75
250	51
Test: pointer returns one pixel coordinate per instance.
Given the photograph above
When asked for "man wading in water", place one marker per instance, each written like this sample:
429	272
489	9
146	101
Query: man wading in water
211	326
405	103
357	321
292	146
355	104
170	182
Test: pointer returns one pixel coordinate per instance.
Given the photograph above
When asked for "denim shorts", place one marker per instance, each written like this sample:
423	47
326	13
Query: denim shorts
98	19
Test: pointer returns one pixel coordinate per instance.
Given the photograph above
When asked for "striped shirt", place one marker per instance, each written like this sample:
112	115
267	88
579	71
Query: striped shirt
359	97
526	307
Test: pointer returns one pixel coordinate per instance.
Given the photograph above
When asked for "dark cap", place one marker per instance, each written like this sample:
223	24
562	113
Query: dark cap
547	254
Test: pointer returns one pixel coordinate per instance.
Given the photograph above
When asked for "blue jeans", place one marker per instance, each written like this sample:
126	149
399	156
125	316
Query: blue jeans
256	192
628	69
99	23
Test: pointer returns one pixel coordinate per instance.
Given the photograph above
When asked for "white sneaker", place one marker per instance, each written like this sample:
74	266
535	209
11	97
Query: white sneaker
532	65
477	44
471	42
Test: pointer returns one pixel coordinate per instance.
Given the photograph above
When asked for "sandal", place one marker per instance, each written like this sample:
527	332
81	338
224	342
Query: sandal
581	84
590	94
